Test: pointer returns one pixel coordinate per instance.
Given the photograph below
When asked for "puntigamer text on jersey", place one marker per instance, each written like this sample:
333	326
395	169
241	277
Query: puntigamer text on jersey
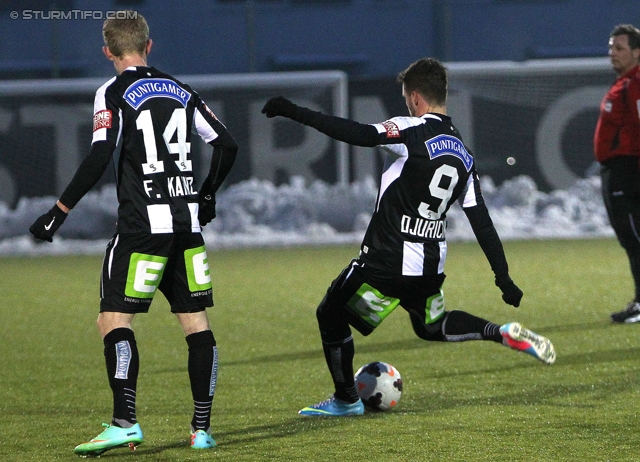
449	145
143	89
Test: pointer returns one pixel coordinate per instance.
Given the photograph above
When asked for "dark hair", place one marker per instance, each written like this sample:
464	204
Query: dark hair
428	77
630	31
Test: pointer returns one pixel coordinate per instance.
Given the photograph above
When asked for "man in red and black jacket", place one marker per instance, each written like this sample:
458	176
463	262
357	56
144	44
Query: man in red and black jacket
617	148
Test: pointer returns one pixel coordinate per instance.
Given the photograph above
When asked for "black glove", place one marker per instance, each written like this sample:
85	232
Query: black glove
206	208
511	293
46	225
279	106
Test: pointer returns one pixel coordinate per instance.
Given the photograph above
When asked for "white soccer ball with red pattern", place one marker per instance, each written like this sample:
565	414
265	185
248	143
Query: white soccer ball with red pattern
379	385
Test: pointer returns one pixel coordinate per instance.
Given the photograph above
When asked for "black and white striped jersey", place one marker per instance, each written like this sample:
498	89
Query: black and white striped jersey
428	168
150	116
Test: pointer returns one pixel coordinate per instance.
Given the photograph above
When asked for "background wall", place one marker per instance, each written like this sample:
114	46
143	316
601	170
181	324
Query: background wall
366	38
528	121
520	115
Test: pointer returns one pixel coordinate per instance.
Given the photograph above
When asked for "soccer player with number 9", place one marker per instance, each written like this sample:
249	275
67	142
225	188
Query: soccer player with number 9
402	256
158	242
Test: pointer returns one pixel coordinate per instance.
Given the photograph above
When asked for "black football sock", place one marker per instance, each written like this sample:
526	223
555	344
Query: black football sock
123	363
203	373
339	357
460	326
634	262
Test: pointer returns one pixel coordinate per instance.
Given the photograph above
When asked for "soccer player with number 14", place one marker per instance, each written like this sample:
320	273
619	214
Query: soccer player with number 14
158	242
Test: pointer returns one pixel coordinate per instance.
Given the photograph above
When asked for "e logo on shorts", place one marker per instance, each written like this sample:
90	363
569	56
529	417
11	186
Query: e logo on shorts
371	305
145	274
197	265
435	307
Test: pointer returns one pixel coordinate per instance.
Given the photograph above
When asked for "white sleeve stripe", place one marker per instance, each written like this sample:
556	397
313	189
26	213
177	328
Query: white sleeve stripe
119	127
407	122
401	122
100	104
380	128
206	131
470	199
99	135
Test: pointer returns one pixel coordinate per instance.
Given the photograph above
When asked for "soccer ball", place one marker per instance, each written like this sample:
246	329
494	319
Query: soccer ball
379	385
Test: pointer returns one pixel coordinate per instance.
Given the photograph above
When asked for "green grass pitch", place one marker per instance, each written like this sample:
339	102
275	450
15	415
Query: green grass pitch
472	401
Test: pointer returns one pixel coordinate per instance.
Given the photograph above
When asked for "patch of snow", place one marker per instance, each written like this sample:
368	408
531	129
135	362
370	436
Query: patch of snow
256	213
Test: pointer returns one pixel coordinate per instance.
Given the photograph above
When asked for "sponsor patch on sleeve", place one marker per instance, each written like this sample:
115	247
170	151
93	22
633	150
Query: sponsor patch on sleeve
102	119
392	129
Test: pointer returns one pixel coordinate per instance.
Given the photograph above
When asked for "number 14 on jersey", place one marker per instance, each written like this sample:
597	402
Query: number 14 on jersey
177	125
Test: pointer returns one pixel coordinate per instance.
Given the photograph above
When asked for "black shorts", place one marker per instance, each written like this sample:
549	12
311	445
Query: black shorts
621	194
136	265
366	297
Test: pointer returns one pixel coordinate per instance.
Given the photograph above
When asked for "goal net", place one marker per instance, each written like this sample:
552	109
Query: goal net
533	118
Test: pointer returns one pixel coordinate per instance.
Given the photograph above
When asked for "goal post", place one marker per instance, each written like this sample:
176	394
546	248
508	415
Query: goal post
45	129
304	86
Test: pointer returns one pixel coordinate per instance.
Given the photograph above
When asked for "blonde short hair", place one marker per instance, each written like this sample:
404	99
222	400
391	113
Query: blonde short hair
126	36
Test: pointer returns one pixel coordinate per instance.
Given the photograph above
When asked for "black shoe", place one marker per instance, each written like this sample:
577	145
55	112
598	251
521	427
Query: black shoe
630	314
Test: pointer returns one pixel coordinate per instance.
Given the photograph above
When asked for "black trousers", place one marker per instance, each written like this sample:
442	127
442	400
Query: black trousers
621	194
